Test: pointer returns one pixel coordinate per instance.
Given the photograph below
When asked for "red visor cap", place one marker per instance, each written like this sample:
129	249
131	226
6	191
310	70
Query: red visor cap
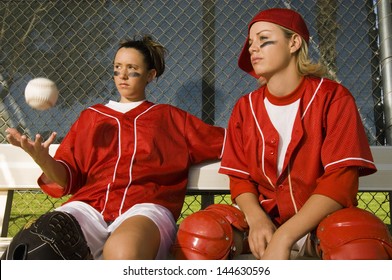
287	18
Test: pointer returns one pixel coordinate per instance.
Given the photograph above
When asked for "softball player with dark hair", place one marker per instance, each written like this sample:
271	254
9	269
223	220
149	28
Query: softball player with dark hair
125	165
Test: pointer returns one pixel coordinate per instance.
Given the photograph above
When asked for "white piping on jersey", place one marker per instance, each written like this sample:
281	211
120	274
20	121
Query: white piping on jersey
224	143
265	200
118	159
133	157
346	159
291	189
262	137
236	170
311	100
289	166
341	160
70	183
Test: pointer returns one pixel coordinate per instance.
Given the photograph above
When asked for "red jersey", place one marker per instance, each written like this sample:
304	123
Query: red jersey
116	160
327	134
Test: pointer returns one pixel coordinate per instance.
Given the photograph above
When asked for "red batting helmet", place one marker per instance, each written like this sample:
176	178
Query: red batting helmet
208	234
234	215
204	235
354	233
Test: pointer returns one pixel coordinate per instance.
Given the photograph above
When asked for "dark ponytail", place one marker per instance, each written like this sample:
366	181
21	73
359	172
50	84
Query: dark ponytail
153	52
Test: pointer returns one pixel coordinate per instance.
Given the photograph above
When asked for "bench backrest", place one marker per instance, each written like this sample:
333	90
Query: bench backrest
19	171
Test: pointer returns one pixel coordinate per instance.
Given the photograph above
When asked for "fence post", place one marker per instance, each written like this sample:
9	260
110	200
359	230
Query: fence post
385	27
208	72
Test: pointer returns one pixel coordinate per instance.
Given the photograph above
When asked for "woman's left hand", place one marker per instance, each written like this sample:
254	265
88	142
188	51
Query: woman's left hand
277	249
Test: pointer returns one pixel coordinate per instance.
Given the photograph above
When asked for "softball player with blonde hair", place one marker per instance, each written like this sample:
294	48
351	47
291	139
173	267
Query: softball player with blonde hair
296	147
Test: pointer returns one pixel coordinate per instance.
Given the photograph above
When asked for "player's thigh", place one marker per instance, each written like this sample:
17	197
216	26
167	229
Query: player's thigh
137	237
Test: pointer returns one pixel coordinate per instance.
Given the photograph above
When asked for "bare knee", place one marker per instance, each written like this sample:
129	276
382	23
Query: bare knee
115	250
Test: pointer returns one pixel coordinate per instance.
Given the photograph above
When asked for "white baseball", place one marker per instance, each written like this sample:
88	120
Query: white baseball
41	93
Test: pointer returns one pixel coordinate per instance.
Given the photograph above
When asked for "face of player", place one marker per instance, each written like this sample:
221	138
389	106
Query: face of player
131	75
270	50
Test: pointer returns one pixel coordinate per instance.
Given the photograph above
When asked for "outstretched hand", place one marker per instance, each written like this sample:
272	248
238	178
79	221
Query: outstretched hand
37	149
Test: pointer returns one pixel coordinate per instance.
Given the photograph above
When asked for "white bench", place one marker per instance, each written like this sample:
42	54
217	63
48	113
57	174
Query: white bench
19	172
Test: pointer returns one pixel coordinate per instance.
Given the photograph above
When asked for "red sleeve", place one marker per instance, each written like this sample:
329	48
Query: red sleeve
234	162
65	155
340	184
52	189
205	141
346	143
239	186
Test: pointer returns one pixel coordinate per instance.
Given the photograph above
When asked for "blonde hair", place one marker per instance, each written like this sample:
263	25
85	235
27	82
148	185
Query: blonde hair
305	65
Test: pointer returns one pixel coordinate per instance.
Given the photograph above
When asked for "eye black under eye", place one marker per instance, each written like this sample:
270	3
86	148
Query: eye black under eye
130	74
267	43
134	74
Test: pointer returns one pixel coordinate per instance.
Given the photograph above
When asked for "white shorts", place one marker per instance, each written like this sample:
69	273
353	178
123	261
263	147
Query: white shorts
97	231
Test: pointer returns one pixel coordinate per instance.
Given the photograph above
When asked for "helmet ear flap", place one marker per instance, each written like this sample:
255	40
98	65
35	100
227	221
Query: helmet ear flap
354	233
234	215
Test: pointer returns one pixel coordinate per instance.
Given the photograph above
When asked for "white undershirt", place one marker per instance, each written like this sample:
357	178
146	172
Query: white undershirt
123	107
282	117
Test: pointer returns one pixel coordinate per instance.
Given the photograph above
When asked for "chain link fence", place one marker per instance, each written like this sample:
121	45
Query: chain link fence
74	42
